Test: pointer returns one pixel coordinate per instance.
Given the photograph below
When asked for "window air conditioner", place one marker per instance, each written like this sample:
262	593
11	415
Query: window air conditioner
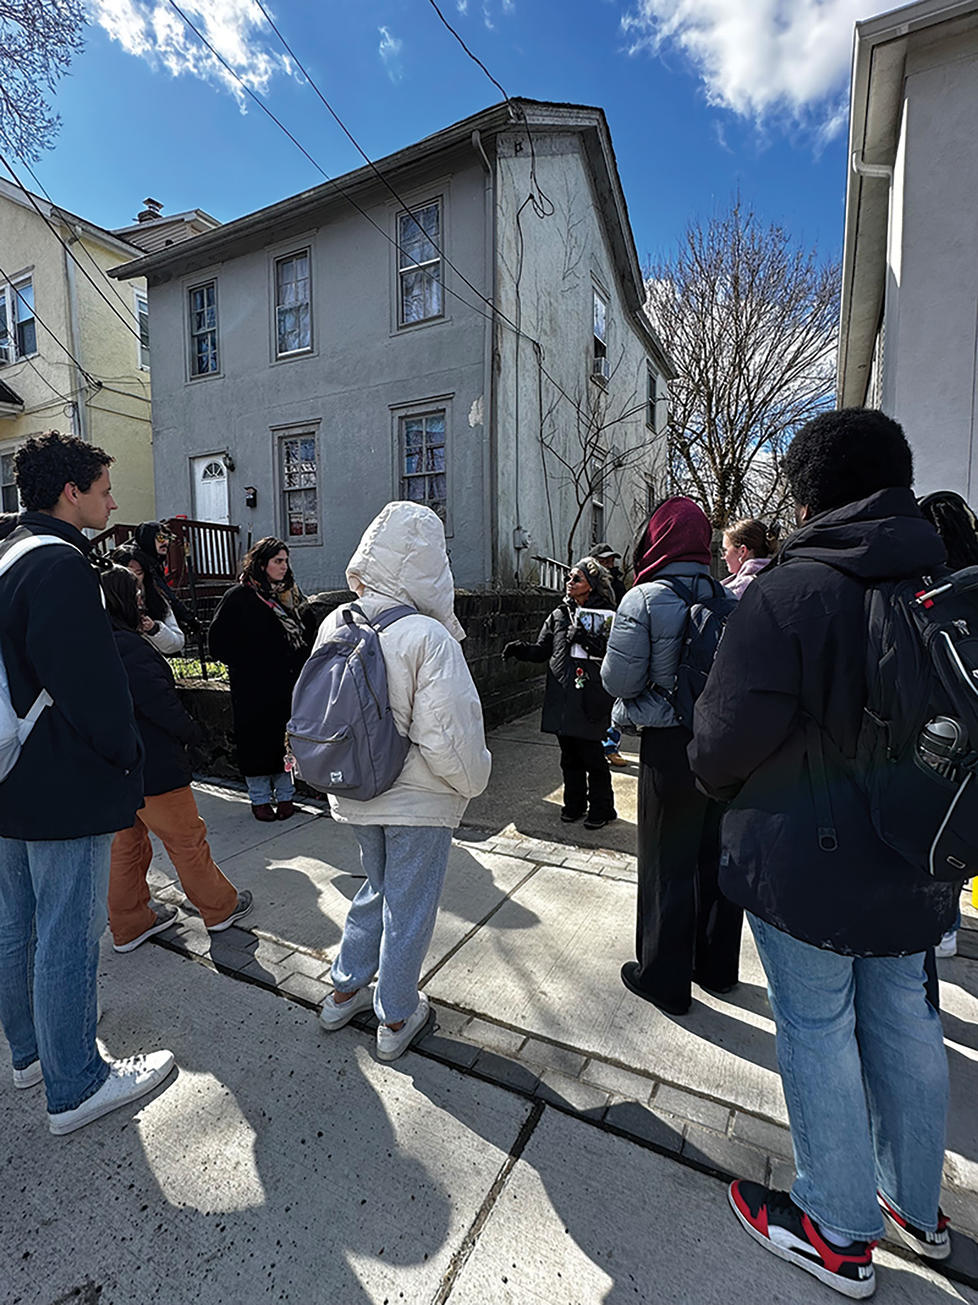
601	369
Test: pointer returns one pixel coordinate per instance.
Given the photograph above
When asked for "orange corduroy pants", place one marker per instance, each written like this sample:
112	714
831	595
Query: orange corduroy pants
173	817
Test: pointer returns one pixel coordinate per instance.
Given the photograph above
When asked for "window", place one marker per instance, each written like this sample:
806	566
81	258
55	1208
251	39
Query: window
651	398
419	277
203	330
293	319
142	314
300	491
9	501
423	460
599	367
18	330
597	497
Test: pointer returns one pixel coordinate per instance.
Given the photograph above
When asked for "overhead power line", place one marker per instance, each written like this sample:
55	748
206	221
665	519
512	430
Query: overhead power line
67	248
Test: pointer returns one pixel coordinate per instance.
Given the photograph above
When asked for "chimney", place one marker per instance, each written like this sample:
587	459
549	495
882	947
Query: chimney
151	212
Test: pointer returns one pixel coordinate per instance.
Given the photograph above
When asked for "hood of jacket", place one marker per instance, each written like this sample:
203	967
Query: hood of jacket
883	537
402	556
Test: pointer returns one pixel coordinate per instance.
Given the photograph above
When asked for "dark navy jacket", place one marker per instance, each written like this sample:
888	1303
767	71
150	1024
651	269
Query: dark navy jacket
794	652
164	726
80	771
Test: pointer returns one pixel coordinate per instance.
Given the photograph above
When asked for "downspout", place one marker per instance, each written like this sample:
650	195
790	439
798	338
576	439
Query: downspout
490	455
81	413
884	172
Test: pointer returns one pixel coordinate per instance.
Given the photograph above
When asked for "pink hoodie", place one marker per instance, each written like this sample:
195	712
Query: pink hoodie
749	569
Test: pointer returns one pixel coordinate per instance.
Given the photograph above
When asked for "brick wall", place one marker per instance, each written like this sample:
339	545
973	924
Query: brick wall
508	688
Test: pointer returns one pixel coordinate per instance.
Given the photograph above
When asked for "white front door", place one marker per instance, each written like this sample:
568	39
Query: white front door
210	481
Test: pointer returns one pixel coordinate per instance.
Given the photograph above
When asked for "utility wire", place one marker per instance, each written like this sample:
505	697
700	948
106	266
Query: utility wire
84	248
496	311
67	248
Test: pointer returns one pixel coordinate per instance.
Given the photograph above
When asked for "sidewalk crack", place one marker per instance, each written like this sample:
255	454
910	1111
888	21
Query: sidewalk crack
452	951
468	1243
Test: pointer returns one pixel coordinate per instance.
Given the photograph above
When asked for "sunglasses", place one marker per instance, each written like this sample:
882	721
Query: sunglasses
575	577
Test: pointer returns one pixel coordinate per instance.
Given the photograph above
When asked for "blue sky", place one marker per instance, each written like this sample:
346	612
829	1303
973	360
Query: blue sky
703	97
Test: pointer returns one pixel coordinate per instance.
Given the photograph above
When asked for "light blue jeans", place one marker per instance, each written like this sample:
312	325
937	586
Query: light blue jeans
53	910
391	919
266	789
862	1060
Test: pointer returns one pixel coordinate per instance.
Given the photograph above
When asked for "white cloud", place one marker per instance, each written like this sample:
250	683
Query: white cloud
154	31
758	57
390	52
462	6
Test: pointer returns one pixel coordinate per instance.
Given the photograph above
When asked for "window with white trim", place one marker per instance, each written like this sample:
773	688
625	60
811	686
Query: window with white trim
422	456
300	485
142	316
419	271
599	364
203	329
18	329
9	499
293	305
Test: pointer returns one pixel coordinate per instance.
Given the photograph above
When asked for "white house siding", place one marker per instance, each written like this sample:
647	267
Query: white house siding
349	388
931	307
564	257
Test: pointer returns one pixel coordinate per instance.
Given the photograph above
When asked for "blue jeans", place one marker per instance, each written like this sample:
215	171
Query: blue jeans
862	1060
391	919
266	789
53	910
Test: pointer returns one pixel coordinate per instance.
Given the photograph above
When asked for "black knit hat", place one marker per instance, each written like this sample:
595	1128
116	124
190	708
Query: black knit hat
598	578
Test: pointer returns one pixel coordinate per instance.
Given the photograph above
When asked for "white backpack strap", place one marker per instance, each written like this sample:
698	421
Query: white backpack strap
17	551
42	700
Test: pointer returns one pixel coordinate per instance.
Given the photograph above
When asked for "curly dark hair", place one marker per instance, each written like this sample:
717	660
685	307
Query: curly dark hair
48	462
257	559
121	589
843	456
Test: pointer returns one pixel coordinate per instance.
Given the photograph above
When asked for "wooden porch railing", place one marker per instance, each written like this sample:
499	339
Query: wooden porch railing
553	574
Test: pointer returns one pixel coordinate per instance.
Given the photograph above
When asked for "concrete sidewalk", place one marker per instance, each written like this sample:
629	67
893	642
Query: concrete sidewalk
554	1139
282	1163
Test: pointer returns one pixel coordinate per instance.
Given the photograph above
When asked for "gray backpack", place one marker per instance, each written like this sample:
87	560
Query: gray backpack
342	732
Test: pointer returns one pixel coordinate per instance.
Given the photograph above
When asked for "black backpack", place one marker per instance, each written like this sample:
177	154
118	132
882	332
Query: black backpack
917	748
705	620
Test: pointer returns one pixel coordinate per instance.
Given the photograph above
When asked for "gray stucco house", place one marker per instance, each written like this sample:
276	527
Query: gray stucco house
461	324
910	265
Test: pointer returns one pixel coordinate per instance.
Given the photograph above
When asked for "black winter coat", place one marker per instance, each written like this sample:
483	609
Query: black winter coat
794	651
263	668
80	771
580	713
163	725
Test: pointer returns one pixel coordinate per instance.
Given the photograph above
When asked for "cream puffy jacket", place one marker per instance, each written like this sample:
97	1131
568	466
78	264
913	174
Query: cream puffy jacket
401	559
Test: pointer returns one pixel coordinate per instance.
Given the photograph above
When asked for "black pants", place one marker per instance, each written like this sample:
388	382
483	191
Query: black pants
686	929
587	778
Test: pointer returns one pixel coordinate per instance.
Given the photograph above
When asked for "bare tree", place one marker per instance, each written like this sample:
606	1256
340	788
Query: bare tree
750	321
38	39
588	459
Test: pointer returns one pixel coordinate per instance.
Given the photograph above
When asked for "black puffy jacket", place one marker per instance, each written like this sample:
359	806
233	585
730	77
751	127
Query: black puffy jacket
164	726
793	653
574	701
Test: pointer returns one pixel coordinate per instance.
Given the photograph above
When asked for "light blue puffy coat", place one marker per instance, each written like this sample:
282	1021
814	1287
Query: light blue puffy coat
645	645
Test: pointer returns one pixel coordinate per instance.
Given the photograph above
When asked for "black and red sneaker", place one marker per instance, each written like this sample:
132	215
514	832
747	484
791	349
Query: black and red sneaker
773	1219
931	1245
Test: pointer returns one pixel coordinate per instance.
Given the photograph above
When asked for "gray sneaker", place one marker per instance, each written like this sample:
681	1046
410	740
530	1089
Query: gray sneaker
29	1076
128	1080
243	907
392	1043
337	1014
165	916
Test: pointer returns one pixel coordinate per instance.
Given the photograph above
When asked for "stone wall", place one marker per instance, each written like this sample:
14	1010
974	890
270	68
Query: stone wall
508	688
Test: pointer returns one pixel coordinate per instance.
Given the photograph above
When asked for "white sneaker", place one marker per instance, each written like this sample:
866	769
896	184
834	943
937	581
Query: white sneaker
29	1076
392	1043
335	1014
128	1080
948	946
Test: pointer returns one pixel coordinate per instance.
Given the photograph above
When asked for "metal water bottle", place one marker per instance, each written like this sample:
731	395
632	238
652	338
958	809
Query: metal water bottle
940	742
